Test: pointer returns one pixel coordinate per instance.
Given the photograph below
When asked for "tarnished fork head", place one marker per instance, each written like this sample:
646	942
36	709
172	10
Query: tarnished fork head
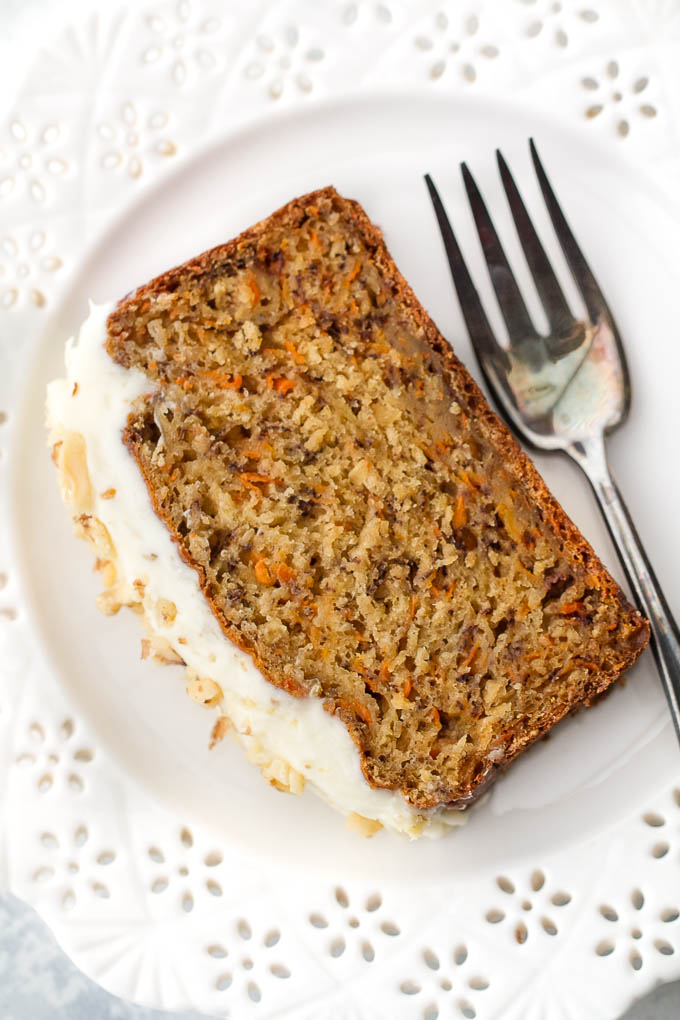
557	389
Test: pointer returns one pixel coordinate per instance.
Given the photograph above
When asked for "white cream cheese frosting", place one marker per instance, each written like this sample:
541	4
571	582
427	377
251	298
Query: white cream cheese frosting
288	737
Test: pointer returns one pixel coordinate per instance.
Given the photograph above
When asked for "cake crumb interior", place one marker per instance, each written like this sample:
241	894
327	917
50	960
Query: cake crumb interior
351	520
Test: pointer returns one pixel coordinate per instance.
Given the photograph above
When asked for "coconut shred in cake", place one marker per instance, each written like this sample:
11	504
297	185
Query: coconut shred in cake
294	740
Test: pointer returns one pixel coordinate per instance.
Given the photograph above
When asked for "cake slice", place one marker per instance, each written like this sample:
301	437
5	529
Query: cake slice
275	451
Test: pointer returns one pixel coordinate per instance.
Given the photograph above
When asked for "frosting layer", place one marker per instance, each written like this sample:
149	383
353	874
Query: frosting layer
293	740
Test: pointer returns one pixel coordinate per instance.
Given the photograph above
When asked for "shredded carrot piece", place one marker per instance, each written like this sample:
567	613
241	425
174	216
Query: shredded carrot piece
571	607
262	573
312	210
460	514
355	272
252	454
407	686
471	479
249	478
255	290
185	381
471	657
174	475
294	353
414	605
358	665
314	238
282	385
284	573
437	718
354	306
509	522
361	710
224	381
532	655
384	673
592	667
254	476
108	494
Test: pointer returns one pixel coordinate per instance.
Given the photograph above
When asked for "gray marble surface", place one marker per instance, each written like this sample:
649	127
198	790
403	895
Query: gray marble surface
37	982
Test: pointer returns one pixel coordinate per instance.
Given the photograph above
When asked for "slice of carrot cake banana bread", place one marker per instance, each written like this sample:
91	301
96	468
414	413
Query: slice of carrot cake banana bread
412	606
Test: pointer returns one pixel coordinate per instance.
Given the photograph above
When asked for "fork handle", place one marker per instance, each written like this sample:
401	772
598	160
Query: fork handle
590	455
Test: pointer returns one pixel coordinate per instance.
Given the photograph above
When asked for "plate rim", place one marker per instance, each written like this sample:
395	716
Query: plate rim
237	134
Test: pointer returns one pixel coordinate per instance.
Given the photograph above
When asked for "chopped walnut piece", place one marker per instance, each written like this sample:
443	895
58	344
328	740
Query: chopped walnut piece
96	533
204	691
219	731
74	479
366	827
107	603
167	610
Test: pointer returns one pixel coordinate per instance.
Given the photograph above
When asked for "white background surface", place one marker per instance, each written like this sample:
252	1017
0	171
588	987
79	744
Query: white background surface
128	886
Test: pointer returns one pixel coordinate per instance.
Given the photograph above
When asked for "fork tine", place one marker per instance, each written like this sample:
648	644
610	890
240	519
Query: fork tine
513	309
585	281
547	284
480	331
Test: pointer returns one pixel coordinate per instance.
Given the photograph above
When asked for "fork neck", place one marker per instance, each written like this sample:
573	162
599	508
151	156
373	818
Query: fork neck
591	456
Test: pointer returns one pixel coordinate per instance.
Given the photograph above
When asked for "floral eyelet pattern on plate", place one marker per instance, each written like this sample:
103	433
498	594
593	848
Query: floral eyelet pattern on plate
154	910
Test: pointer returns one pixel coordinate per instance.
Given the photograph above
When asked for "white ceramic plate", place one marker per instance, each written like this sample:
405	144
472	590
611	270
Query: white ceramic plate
596	767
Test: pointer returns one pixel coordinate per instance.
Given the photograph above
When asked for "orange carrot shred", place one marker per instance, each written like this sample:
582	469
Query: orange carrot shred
294	353
570	607
262	573
283	385
250	478
284	573
361	710
471	657
255	290
460	514
592	667
355	272
414	604
384	673
437	718
407	686
224	381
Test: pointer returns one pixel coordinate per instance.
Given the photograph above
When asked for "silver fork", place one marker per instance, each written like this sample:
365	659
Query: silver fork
565	391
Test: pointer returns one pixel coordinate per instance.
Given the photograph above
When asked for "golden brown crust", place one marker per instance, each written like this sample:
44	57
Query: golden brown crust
635	631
